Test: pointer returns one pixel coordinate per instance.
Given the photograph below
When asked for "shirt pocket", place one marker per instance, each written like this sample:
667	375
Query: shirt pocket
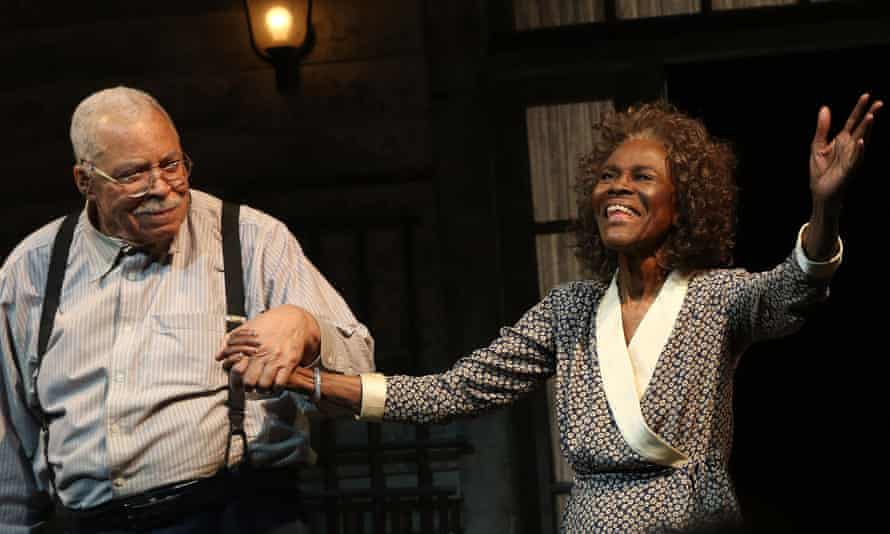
182	350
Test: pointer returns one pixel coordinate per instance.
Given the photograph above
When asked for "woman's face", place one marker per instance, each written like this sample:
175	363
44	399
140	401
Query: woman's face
633	198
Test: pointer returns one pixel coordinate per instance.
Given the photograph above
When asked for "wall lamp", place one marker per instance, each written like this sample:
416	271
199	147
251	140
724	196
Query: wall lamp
281	33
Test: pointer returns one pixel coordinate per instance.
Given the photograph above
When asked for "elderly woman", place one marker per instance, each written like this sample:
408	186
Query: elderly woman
644	354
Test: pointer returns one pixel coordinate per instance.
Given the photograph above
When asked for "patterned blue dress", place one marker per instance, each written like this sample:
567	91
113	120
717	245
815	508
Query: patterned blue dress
688	401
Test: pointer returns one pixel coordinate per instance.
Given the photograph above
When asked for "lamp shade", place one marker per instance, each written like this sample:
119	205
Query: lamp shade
279	24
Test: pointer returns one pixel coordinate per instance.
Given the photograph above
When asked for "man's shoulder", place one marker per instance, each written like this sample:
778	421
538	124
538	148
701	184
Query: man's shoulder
39	241
207	208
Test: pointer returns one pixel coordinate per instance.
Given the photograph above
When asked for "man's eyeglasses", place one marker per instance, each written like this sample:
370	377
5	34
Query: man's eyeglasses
137	184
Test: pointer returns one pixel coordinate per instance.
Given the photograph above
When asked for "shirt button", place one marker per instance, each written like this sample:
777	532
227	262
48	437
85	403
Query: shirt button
119	376
118	482
115	428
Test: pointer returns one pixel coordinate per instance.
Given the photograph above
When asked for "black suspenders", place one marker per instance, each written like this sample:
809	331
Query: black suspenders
235	315
55	276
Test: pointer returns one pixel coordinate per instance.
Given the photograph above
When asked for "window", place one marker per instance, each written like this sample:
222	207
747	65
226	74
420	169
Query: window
558	135
532	14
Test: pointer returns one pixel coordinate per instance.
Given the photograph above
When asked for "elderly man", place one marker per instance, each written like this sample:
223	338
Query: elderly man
113	406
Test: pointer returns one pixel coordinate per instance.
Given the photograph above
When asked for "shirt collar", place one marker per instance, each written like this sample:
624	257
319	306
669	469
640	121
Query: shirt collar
104	251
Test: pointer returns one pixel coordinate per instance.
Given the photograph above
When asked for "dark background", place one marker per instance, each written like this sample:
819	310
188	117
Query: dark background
810	409
400	162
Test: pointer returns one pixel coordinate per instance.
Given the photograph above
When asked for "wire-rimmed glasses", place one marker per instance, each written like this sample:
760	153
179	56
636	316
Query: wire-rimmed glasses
137	184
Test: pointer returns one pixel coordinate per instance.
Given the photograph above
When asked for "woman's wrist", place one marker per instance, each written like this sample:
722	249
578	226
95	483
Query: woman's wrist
340	389
820	239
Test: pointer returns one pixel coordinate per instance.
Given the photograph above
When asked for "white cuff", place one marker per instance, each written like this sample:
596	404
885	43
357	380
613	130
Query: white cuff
817	269
373	397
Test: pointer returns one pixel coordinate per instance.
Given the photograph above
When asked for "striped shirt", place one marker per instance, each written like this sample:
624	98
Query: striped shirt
135	397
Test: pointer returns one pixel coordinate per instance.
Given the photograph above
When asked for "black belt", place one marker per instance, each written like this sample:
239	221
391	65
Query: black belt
152	508
167	504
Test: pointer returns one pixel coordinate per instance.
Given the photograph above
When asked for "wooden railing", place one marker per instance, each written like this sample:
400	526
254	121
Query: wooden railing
377	509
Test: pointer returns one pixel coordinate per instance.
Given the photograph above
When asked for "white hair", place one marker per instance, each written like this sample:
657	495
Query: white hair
120	101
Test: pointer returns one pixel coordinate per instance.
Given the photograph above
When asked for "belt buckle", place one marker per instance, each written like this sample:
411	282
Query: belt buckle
134	510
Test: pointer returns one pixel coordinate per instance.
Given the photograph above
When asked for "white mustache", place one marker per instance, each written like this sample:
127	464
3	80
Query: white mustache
156	205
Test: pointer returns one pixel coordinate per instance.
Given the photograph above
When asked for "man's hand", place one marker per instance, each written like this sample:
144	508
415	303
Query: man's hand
268	348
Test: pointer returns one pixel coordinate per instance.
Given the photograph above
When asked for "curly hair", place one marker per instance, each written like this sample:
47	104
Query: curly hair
701	167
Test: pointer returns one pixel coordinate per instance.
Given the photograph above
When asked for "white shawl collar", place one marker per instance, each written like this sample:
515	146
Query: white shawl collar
627	370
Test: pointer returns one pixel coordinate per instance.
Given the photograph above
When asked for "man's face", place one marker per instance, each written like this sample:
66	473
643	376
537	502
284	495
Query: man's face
130	146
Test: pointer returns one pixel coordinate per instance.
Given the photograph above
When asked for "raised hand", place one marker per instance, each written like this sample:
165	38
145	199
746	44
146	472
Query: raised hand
831	162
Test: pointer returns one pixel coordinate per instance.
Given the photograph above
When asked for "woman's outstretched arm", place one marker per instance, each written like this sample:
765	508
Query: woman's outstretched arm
517	362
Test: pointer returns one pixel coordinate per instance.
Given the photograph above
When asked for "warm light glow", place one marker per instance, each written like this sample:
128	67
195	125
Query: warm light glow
279	22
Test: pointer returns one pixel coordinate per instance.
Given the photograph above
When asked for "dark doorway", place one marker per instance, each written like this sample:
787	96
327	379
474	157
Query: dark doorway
811	410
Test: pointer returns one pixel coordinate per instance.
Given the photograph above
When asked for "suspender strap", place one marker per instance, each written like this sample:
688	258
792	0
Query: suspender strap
235	316
54	278
58	260
232	261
